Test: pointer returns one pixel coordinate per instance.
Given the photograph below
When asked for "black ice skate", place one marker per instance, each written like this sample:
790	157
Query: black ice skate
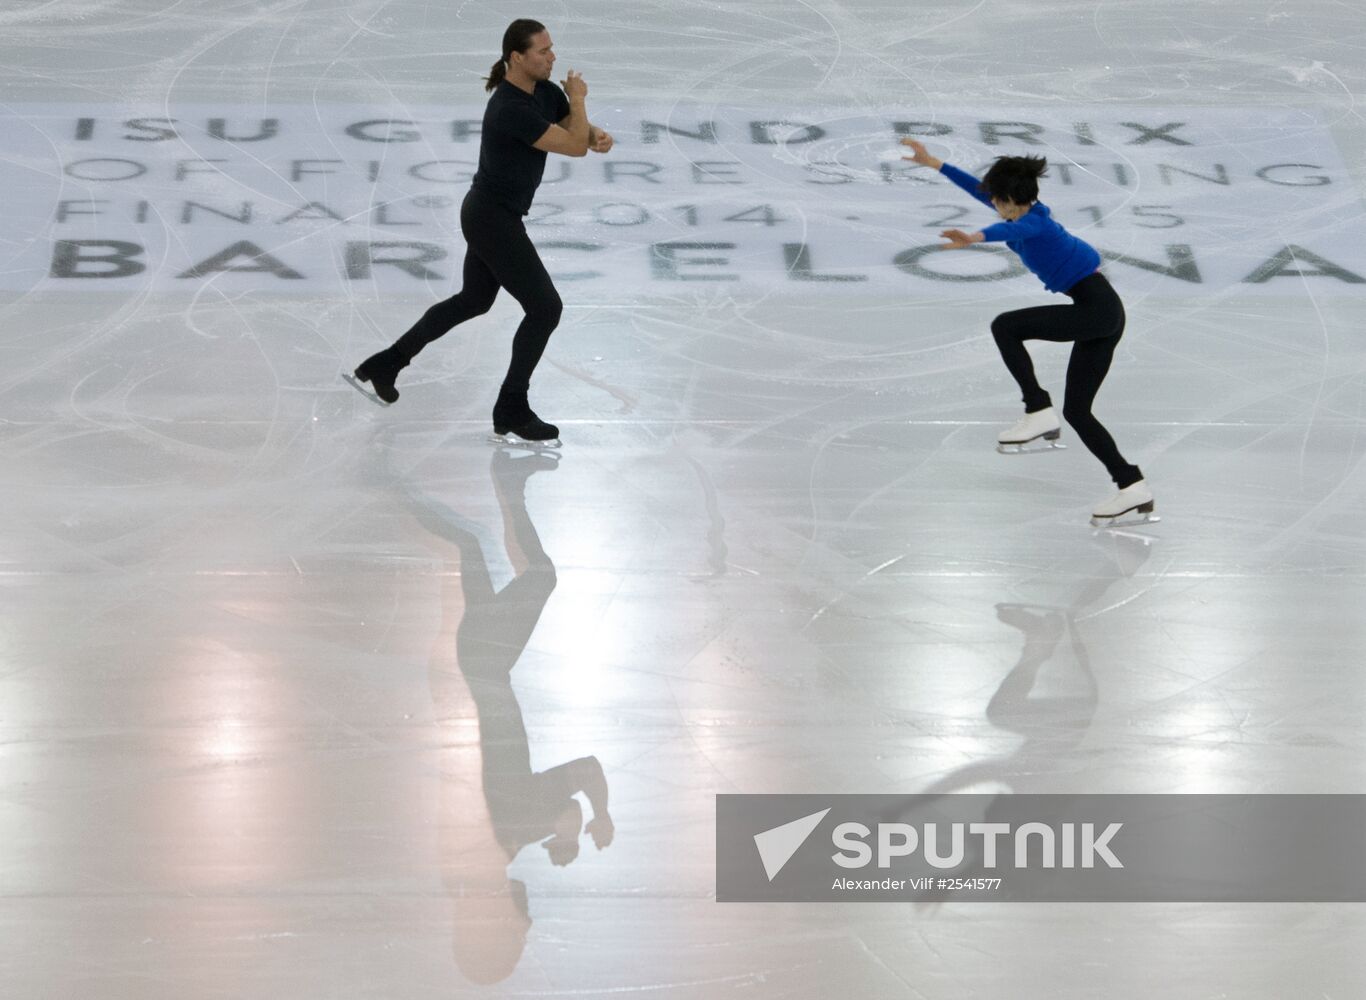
514	423
380	370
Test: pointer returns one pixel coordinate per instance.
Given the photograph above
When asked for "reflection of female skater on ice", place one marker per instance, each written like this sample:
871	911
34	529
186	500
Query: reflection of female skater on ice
1094	321
1052	719
526	118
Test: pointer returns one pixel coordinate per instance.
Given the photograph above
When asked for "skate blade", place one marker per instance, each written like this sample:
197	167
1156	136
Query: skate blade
1031	447
514	441
1129	519
359	386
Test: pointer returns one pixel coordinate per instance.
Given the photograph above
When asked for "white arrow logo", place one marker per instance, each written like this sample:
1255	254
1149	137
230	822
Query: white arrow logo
777	846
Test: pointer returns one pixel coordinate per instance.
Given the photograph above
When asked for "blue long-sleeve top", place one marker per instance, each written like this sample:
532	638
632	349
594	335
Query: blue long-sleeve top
1058	258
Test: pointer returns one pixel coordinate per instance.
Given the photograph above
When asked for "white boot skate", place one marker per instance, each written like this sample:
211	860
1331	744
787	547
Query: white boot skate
1131	505
1037	431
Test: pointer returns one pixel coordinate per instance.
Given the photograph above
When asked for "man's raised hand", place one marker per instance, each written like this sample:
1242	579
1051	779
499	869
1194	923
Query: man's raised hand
598	140
574	87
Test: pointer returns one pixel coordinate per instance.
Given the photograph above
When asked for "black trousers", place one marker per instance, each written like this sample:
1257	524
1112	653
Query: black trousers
1094	322
498	254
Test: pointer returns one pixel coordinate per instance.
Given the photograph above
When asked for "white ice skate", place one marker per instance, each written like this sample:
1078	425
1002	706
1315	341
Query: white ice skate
1037	431
1131	505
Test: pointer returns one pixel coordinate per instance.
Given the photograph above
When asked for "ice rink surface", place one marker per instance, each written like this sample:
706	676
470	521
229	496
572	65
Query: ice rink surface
281	672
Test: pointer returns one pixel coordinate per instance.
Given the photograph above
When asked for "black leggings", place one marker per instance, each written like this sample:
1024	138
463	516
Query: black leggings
1095	321
498	254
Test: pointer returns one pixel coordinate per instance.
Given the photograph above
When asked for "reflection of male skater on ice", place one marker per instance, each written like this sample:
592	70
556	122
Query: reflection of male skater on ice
526	118
491	629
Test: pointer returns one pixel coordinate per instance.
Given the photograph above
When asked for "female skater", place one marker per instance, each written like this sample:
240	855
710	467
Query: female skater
1094	321
526	118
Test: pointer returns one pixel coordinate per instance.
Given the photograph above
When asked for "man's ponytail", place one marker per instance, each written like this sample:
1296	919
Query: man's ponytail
517	38
495	77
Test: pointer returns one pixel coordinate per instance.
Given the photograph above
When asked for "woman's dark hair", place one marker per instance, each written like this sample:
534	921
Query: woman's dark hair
1015	178
516	39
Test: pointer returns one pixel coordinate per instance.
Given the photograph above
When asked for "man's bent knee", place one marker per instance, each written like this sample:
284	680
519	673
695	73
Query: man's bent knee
476	304
547	312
